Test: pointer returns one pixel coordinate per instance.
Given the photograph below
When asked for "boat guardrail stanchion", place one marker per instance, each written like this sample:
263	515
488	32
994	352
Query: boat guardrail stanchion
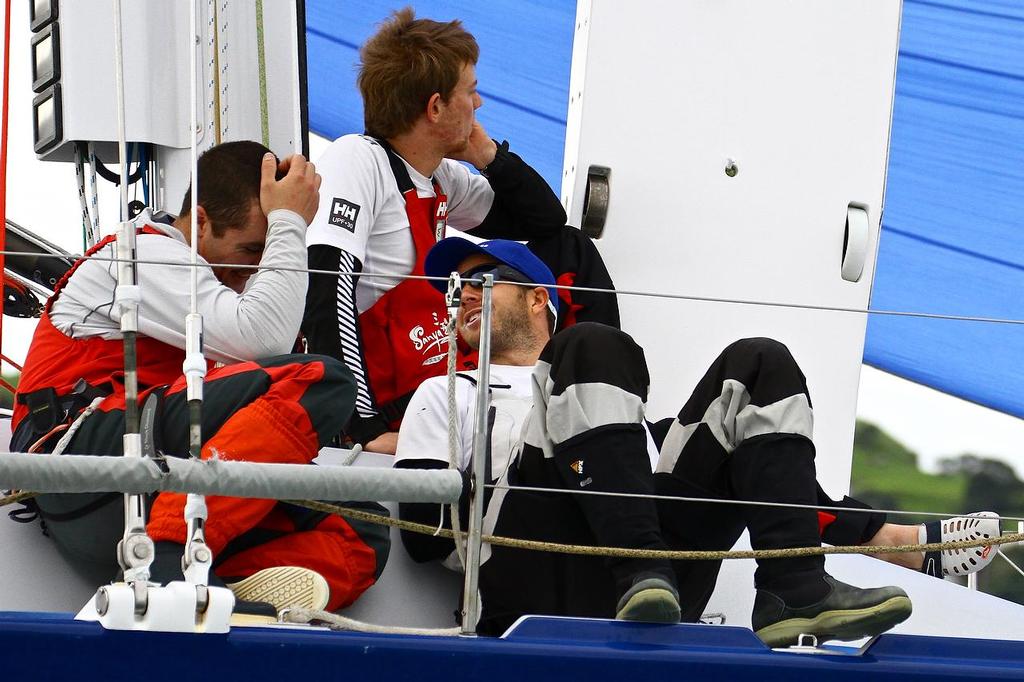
189	606
471	601
198	558
135	551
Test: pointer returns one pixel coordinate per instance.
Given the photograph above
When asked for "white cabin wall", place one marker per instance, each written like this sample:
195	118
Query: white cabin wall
799	95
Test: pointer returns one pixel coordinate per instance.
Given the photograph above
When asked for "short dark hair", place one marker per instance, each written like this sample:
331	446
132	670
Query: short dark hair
229	183
404	64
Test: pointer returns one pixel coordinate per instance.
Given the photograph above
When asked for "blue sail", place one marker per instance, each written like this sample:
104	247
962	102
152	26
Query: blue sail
951	240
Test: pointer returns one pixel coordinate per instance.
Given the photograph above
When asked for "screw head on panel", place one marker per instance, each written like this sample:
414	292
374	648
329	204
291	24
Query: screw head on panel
731	169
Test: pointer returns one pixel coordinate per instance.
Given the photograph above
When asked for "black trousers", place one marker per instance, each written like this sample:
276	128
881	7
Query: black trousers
742	434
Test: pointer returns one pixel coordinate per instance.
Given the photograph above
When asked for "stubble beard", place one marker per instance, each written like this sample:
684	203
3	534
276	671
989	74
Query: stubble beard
511	331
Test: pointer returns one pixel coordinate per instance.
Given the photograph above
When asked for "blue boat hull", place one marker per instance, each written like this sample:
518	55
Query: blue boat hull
54	646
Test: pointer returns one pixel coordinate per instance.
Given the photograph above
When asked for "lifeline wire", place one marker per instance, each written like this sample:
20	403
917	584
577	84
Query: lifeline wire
686	555
750	503
624	292
683	555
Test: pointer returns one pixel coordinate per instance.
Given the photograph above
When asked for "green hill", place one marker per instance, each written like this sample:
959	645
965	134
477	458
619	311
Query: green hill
886	475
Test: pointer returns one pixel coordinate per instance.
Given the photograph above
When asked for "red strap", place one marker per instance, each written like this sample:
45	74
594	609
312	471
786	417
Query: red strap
824	521
92	250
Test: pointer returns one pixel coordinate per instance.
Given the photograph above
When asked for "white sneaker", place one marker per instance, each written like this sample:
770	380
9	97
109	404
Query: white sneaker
284	586
976	526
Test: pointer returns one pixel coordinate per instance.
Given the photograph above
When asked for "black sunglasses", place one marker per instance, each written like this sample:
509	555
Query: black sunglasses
501	272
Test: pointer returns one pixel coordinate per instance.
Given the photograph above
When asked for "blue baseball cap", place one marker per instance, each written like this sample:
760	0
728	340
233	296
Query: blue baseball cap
444	258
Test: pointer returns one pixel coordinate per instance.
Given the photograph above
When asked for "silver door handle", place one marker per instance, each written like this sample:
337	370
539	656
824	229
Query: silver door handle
855	243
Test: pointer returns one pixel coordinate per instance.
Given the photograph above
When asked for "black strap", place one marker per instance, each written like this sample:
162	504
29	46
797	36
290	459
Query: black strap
933	560
150	426
111	176
26	513
398	168
46	409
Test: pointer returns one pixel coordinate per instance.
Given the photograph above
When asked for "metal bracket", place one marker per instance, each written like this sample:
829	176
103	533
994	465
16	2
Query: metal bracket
808	644
176	607
454	296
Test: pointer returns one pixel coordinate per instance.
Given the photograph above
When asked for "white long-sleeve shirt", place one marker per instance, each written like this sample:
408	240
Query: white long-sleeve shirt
261	321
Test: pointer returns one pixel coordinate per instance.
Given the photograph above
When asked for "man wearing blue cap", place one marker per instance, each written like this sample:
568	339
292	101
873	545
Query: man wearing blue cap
567	412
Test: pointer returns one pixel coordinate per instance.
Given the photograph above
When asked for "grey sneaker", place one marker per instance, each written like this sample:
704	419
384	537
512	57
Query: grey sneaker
846	613
284	586
650	600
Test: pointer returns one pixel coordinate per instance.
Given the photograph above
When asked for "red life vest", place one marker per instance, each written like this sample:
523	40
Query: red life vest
404	338
57	361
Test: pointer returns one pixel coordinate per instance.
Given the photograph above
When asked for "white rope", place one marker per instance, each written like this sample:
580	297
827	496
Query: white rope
353	454
88	238
58	449
94	195
335	622
623	292
452	299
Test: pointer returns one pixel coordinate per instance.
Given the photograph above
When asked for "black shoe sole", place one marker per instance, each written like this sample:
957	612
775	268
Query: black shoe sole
843	624
654	605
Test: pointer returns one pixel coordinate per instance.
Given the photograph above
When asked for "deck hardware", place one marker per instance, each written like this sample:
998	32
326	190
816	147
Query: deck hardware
811	640
731	169
595	201
102	601
855	243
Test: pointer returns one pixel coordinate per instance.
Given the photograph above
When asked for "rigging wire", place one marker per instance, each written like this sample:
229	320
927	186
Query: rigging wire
622	292
749	503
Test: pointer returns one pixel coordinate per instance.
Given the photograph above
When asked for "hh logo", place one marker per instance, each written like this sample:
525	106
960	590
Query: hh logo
344	214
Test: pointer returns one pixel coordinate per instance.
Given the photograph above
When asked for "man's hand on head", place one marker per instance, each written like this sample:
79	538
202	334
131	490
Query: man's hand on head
298	190
479	151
